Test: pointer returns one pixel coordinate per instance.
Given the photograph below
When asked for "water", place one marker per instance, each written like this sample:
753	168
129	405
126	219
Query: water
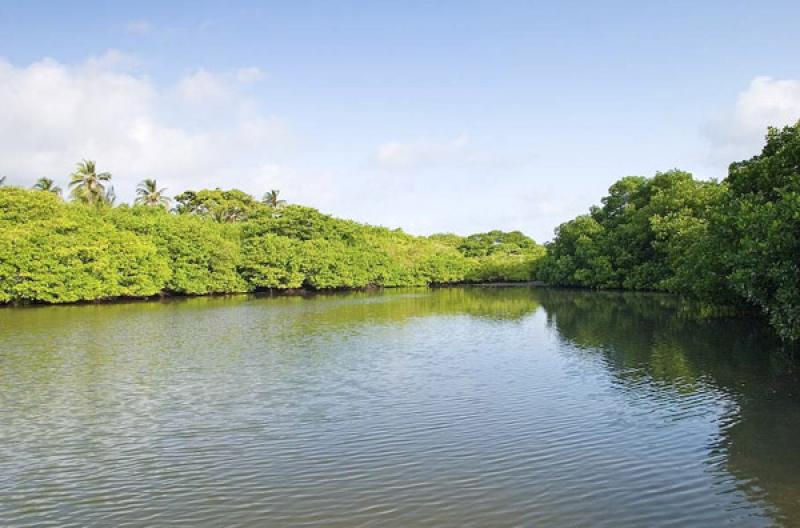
456	407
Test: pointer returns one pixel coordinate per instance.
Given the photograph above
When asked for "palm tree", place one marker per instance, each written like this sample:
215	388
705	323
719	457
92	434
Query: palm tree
271	199
148	193
87	186
47	185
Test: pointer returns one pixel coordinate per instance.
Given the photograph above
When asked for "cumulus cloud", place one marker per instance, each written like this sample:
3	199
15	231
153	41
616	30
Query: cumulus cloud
205	87
53	114
740	132
208	129
202	87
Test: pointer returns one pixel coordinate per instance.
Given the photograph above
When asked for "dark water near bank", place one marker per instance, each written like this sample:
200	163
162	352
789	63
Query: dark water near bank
456	407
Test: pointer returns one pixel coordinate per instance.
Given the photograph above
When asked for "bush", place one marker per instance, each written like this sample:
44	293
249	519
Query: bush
222	242
74	255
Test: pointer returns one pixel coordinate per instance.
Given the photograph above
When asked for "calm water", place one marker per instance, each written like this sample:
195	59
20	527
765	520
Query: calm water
457	407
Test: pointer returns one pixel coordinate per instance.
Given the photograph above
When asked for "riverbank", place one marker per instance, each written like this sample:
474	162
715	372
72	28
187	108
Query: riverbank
270	292
56	252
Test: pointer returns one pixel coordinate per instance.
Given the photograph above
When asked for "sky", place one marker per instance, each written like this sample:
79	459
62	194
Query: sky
447	116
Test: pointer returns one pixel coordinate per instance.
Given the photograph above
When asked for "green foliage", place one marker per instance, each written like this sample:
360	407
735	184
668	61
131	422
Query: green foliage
734	243
300	246
223	206
323	252
203	255
636	240
271	199
47	185
505	268
303	223
501	256
62	253
437	265
730	243
20	206
496	256
575	257
329	264
496	242
219	242
760	224
448	239
148	194
89	187
272	261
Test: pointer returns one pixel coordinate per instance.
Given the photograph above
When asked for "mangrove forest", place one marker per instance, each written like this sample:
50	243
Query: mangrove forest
732	244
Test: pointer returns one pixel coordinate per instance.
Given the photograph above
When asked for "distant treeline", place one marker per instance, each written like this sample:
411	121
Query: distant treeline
216	241
733	244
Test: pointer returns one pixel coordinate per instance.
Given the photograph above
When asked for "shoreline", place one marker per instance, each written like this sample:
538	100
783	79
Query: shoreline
271	292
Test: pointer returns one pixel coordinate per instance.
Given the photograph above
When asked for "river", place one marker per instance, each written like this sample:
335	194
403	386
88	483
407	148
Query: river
447	407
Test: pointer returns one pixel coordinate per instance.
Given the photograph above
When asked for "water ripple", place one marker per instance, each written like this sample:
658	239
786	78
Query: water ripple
366	411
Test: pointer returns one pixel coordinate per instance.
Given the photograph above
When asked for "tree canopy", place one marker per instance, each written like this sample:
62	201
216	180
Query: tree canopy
148	193
218	241
89	187
730	244
734	243
47	185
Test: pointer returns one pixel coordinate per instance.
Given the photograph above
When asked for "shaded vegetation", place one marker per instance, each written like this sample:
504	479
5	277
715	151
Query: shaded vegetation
650	346
734	243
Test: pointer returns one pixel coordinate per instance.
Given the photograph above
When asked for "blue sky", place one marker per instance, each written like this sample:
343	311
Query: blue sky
431	116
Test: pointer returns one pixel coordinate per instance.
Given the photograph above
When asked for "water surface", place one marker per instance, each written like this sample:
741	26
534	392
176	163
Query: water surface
453	407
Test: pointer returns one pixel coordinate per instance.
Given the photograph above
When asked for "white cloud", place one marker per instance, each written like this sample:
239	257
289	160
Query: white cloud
207	130
766	102
203	87
52	115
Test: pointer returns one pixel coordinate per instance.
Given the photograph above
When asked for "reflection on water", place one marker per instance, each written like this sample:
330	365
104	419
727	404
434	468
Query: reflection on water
648	337
452	407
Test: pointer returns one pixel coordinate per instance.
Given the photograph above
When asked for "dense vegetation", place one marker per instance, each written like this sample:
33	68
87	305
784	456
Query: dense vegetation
730	244
734	243
217	241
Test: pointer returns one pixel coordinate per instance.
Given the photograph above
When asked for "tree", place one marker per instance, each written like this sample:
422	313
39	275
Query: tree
148	193
47	185
87	185
759	224
270	199
640	238
223	206
577	256
496	242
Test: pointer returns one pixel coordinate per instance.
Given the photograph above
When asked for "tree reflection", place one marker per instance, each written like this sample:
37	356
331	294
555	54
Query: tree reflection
661	339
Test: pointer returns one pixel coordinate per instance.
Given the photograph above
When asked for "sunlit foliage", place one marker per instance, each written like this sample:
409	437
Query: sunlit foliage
220	241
